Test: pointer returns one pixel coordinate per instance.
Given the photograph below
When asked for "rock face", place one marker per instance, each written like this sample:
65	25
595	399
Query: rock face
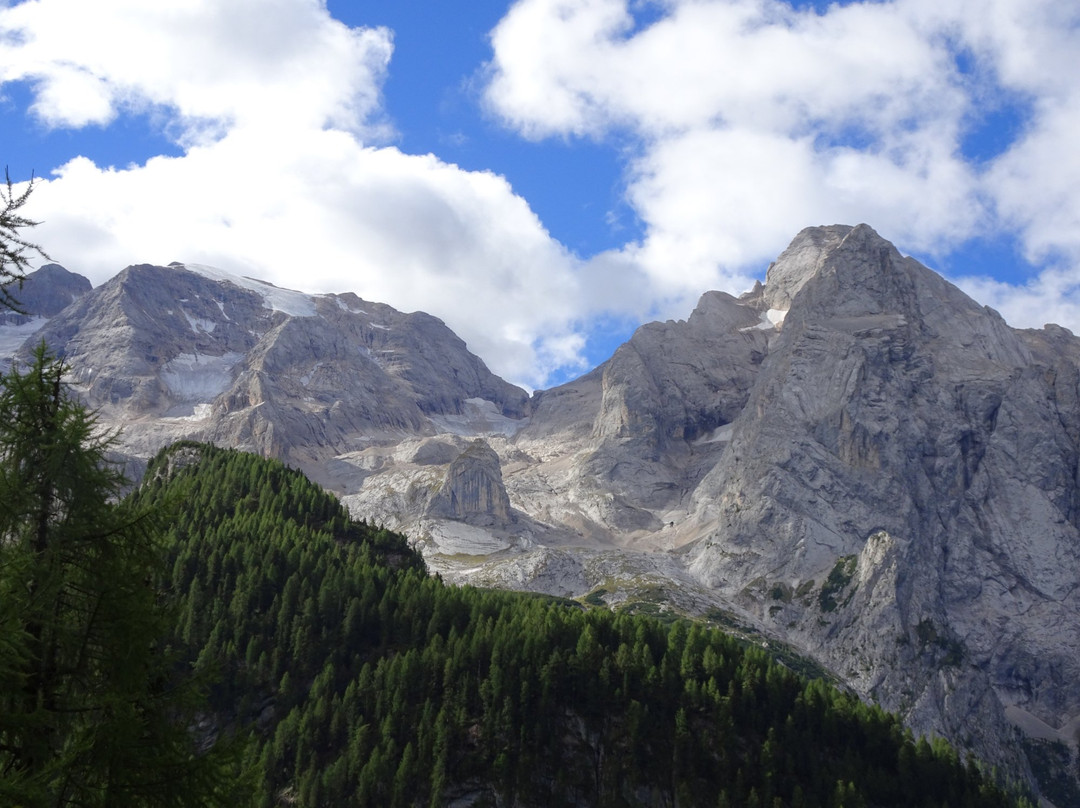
908	452
473	489
870	464
45	293
179	351
854	458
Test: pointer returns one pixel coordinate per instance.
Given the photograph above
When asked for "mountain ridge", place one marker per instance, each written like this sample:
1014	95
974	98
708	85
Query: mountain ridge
853	457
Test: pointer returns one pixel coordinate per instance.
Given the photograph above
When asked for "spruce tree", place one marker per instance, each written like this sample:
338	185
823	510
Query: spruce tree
13	246
91	712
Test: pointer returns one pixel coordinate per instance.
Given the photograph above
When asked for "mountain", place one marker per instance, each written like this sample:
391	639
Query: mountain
43	294
899	496
854	459
367	682
187	352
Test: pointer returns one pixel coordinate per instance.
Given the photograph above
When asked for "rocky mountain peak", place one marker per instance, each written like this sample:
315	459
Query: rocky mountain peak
802	259
188	351
720	311
855	458
45	293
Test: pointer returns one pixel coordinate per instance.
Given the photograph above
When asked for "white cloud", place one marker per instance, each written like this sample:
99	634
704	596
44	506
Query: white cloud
329	214
242	62
1052	297
273	101
741	122
576	66
753	120
1036	185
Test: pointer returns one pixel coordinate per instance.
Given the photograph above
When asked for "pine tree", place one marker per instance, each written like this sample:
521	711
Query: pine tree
90	712
13	247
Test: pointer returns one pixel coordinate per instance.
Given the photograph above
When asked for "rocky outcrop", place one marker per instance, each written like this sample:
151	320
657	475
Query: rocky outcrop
473	489
190	352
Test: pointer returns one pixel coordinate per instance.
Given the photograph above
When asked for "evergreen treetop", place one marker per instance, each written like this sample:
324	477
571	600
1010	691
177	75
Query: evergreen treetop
92	712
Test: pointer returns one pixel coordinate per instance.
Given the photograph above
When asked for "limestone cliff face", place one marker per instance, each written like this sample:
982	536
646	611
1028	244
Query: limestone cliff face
854	457
898	424
473	489
177	351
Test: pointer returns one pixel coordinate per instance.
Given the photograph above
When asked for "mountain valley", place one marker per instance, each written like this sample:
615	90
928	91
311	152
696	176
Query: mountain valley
854	459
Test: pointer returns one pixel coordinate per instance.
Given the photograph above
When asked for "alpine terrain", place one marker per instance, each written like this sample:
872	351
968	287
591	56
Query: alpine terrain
854	459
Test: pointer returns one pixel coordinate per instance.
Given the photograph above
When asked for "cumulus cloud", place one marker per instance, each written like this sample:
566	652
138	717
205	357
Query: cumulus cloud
753	120
285	173
238	62
332	214
1051	297
739	122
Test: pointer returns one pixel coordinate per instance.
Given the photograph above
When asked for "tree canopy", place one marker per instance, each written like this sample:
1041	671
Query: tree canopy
93	709
371	683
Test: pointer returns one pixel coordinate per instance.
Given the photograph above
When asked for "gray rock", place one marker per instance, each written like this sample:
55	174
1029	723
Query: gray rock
45	293
473	489
168	352
855	458
892	405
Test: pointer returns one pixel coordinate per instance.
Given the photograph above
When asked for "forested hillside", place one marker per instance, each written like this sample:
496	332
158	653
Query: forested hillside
363	681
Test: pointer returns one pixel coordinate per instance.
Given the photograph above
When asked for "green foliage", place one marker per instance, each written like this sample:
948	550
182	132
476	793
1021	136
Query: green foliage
839	577
950	651
13	246
371	683
1052	764
596	597
91	712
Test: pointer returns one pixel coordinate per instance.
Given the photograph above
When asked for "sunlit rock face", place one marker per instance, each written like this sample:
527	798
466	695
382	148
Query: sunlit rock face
865	461
188	351
854	458
898	424
473	489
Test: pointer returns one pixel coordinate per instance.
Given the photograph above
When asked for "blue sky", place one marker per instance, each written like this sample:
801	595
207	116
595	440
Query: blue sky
544	175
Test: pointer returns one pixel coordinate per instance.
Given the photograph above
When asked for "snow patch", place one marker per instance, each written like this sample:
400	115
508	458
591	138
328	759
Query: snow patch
722	434
773	318
287	301
367	353
199	325
307	377
345	306
481	417
195	412
194	377
12	337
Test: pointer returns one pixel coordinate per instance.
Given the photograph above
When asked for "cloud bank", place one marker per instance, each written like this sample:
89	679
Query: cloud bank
754	119
285	172
740	122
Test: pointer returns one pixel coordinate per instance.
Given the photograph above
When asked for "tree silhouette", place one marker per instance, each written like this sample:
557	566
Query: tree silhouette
13	245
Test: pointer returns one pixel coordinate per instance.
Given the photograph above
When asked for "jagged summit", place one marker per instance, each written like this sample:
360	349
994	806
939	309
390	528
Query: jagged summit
45	293
189	351
802	259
